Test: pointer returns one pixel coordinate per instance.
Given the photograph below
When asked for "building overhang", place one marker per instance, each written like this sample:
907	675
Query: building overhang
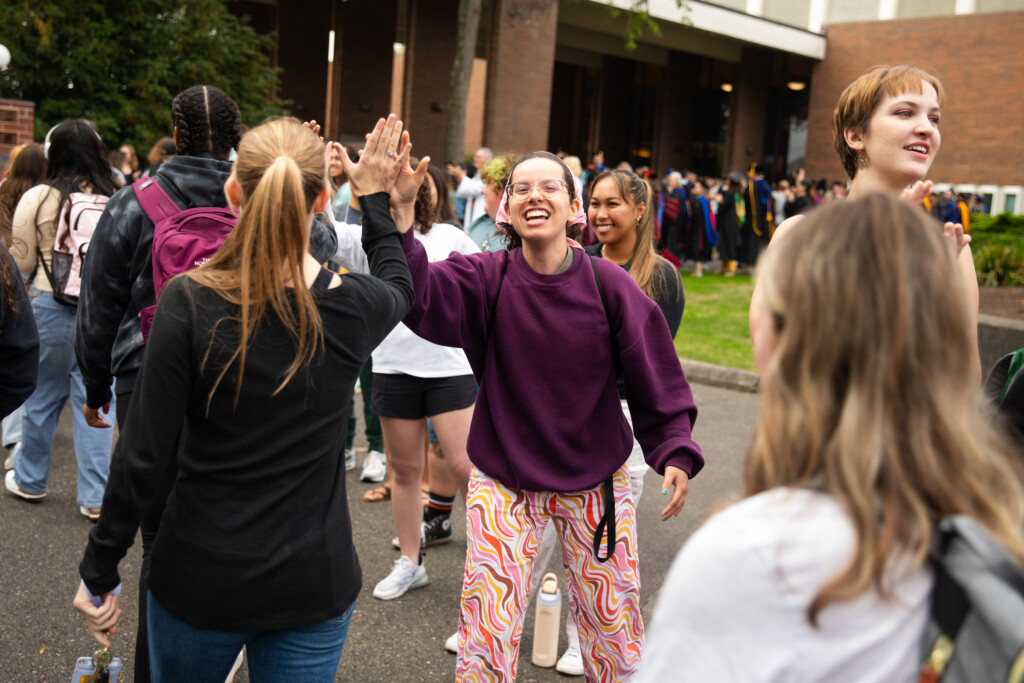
698	27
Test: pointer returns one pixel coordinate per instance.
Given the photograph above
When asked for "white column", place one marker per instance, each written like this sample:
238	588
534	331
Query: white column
819	10
887	9
755	7
965	7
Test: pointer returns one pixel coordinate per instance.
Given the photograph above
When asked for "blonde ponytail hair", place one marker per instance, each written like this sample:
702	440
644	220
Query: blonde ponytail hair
280	173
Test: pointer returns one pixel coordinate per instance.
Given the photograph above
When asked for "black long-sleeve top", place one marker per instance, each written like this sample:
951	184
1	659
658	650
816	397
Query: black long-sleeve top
256	534
19	340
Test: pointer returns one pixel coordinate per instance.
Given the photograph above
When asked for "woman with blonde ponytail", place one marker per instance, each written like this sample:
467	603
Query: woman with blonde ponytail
869	434
252	358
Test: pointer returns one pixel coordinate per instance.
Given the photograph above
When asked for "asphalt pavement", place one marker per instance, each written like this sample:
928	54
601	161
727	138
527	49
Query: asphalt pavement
402	640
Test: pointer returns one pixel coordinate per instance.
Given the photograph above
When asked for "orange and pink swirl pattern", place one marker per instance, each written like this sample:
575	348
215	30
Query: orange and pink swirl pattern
504	529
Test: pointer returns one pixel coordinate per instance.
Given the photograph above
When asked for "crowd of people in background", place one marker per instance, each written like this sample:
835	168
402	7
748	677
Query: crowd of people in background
431	288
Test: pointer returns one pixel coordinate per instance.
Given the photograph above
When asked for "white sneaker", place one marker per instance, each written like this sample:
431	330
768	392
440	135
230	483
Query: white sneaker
405	575
11	451
350	459
12	485
571	663
452	644
375	467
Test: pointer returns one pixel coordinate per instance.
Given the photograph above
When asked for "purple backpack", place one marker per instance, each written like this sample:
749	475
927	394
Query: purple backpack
183	239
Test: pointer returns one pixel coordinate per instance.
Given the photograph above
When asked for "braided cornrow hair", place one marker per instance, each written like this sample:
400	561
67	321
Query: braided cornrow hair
207	119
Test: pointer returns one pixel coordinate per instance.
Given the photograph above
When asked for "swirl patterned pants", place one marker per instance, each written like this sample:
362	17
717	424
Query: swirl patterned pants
504	528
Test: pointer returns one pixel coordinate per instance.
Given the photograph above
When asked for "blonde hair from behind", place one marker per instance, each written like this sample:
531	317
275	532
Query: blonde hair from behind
280	174
868	394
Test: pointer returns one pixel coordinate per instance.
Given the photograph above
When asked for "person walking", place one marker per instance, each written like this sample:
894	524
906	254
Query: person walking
77	163
25	171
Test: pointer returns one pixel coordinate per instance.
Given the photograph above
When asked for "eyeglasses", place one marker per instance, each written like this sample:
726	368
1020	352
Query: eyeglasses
550	188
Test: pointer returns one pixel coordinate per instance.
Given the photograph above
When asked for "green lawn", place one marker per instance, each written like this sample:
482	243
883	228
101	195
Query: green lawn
714	327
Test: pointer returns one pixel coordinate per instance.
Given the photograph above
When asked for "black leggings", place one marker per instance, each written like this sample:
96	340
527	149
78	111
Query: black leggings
149	527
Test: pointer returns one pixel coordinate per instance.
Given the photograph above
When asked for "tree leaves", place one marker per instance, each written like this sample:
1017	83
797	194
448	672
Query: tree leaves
119	63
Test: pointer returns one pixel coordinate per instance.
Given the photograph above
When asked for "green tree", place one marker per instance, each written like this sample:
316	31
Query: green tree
119	63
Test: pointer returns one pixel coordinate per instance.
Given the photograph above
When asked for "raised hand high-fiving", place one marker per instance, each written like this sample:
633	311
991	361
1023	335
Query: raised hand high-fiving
381	161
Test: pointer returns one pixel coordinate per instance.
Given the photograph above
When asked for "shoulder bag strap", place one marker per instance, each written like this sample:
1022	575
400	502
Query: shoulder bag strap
494	306
155	202
608	518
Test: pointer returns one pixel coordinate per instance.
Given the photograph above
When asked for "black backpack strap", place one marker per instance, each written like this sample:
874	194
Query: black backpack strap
494	306
607	522
949	603
608	518
607	314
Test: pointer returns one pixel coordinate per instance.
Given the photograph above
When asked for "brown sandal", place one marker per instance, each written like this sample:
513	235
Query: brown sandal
378	494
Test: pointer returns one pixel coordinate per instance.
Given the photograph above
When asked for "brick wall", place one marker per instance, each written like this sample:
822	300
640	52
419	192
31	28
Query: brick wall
429	55
673	129
364	62
744	138
302	55
16	120
978	58
520	70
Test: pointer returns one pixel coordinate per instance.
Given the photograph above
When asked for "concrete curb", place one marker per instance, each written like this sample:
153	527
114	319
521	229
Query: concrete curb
720	376
998	337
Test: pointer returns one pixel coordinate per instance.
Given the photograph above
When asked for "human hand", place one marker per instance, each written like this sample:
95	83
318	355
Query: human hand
916	193
315	127
456	171
380	161
955	233
102	620
679	482
409	180
93	417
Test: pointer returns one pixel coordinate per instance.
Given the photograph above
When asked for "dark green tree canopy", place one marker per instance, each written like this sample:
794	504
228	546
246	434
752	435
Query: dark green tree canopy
119	63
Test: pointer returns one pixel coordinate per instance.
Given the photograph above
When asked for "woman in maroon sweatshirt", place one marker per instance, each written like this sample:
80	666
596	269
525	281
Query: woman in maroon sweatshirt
549	440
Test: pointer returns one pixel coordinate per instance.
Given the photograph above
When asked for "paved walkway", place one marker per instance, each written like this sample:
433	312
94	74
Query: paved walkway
41	545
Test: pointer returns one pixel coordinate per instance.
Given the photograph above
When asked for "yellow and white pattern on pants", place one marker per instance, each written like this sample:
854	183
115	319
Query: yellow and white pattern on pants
504	528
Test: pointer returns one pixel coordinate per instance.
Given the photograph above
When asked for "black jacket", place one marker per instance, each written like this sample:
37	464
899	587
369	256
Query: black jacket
19	342
117	281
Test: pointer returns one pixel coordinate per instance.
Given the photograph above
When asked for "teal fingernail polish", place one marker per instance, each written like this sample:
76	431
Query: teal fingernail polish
664	490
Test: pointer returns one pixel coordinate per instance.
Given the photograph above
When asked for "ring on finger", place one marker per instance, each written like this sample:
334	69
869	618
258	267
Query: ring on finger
389	154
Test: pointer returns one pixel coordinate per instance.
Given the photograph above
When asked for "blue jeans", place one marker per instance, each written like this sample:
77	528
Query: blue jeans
309	654
59	379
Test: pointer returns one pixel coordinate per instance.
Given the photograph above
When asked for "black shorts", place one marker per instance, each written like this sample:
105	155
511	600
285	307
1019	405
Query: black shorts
411	398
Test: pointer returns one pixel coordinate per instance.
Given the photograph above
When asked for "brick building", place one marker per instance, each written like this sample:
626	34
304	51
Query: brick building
16	118
726	83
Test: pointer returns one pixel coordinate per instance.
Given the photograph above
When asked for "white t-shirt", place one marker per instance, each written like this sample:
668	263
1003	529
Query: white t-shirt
403	351
734	604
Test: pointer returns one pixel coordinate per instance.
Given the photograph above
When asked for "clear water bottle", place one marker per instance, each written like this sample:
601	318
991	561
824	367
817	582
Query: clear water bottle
545	627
